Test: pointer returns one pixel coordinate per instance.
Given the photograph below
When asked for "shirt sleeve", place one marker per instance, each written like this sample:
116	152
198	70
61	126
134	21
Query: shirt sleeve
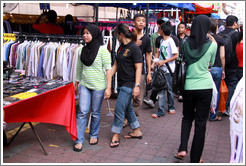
214	50
148	44
158	42
176	40
106	58
173	47
137	55
79	67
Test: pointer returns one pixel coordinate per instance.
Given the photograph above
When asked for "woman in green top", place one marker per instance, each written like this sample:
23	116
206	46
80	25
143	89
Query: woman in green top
199	53
91	83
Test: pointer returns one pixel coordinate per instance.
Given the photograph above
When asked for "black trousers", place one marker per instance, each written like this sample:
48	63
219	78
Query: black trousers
196	106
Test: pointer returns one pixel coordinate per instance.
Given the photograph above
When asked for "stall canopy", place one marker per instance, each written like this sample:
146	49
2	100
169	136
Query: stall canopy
142	6
185	6
206	8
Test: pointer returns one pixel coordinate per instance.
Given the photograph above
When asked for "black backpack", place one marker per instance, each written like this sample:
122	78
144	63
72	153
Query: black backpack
228	46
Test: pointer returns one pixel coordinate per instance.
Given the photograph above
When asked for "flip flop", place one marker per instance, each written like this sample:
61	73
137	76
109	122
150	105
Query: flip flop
180	157
77	149
115	142
94	142
155	116
218	118
131	136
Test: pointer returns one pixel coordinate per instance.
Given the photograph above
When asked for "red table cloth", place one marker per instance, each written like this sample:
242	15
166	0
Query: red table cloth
55	106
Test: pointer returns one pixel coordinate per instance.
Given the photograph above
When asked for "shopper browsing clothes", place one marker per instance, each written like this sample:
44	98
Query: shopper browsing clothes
199	52
48	28
143	41
128	65
91	83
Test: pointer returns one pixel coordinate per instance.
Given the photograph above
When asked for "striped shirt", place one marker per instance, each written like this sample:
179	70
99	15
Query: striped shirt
93	77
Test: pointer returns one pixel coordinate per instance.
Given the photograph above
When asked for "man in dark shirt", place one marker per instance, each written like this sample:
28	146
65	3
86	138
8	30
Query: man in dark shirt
182	38
231	69
143	41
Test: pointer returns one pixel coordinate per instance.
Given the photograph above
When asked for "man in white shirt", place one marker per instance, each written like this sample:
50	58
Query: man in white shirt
168	55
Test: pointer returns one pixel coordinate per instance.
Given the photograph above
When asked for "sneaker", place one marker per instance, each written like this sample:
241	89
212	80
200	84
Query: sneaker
149	103
172	112
226	113
180	99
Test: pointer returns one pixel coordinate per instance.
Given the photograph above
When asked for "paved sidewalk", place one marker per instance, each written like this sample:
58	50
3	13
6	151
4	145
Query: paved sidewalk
160	142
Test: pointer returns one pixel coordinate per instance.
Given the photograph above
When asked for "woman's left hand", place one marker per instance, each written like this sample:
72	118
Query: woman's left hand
212	38
107	93
136	92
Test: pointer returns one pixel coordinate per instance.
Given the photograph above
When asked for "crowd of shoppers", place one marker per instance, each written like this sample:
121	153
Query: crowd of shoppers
204	51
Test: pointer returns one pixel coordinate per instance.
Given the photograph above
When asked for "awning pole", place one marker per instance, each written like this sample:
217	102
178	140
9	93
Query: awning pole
97	13
117	14
147	18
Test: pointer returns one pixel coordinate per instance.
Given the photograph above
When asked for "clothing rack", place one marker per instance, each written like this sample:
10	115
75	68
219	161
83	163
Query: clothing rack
50	37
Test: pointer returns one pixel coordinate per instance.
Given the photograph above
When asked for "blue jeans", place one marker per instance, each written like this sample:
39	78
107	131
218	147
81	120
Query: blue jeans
216	73
87	97
124	108
162	97
231	83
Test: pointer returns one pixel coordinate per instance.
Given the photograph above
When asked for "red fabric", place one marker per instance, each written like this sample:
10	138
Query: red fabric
239	51
56	106
48	28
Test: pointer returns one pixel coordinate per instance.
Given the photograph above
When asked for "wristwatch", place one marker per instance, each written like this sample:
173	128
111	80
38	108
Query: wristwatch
137	85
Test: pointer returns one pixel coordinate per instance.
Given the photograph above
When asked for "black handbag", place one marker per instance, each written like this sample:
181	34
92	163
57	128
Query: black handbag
181	75
180	72
159	81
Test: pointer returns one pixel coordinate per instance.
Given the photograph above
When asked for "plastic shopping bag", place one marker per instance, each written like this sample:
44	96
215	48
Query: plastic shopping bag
214	99
223	96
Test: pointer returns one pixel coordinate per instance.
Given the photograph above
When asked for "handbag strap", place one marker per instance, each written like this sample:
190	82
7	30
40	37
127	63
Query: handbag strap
168	67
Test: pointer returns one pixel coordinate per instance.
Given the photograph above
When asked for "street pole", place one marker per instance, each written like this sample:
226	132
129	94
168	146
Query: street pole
147	18
96	7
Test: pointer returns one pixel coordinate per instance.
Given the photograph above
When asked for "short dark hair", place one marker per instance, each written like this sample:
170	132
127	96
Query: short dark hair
68	17
184	23
138	15
213	25
160	21
52	16
166	29
230	20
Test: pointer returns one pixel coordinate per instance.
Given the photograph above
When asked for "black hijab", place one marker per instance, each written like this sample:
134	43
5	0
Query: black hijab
89	52
199	30
198	42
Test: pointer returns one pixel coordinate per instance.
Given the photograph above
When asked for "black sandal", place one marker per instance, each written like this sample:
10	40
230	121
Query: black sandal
115	142
131	136
94	142
77	149
217	118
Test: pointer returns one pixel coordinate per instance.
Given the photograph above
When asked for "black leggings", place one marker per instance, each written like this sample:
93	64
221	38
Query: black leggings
196	106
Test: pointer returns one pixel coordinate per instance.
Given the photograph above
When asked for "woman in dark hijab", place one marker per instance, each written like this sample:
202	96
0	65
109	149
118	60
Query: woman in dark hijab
92	85
199	52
